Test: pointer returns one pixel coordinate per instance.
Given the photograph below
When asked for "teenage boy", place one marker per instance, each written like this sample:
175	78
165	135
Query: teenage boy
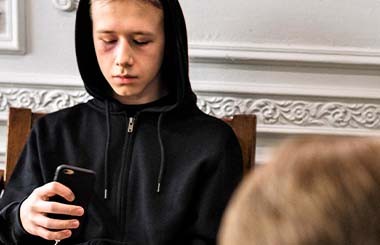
165	170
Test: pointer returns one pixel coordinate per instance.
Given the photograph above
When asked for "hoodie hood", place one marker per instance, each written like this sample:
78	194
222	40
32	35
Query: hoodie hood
175	66
174	72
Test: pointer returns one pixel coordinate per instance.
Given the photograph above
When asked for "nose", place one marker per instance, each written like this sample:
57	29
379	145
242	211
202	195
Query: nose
124	55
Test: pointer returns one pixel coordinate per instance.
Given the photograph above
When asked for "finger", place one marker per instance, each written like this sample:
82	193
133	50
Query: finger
56	224
52	235
54	188
58	208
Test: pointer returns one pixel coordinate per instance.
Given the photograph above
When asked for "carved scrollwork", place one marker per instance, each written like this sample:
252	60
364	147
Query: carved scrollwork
66	5
297	113
269	111
41	100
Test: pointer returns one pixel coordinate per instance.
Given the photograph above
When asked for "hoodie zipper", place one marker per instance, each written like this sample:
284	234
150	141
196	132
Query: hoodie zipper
124	173
131	123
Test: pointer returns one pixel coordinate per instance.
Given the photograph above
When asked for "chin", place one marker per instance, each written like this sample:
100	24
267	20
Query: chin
124	92
124	95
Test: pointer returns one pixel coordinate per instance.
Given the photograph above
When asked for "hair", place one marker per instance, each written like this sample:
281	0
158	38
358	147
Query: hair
156	3
314	190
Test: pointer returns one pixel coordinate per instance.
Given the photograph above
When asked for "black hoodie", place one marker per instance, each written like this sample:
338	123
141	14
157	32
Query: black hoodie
165	170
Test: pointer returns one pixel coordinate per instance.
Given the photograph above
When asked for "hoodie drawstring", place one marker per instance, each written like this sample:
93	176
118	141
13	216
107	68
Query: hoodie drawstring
108	125
162	151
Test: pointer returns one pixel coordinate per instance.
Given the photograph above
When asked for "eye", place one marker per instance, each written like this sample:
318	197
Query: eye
141	43
108	41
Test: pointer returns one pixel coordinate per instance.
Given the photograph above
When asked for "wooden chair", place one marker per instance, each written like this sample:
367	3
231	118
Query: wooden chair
244	127
20	121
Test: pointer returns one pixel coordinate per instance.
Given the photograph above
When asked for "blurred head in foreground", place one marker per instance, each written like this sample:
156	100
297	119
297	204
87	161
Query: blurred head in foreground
314	190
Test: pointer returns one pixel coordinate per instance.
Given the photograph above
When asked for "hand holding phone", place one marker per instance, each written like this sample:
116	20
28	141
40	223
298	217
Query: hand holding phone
80	181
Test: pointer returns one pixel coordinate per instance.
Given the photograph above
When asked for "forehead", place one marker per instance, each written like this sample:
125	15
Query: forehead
121	14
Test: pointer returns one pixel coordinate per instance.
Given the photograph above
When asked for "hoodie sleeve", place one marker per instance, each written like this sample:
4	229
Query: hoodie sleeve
221	178
25	178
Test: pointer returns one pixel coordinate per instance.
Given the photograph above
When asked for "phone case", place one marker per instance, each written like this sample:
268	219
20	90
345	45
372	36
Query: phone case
81	182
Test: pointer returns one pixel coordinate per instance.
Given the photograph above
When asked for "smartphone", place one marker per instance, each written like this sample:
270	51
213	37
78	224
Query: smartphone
81	182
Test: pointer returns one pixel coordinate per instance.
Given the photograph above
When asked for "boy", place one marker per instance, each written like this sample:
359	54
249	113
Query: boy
165	170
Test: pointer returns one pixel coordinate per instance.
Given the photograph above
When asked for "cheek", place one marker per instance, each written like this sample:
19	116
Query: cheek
162	51
104	56
102	49
158	54
105	62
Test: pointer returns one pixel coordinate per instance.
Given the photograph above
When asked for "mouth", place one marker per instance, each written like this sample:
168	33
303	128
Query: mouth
124	78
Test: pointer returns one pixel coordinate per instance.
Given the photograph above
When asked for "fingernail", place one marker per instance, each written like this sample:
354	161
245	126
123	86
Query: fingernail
75	223
80	211
67	233
72	197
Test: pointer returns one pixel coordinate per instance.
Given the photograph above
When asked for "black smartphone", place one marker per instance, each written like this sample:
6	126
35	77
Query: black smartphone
81	181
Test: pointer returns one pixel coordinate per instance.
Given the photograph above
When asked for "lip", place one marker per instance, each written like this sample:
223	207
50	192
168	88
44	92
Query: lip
124	79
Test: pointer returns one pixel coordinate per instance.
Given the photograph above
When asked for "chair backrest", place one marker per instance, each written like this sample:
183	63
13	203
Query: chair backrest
20	121
244	127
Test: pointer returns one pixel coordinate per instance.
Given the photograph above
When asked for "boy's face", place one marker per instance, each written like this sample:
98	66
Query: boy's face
129	42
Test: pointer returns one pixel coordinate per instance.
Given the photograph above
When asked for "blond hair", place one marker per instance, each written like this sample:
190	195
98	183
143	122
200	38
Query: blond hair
315	190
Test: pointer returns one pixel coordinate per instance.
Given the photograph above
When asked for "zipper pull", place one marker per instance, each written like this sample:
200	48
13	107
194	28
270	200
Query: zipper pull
131	124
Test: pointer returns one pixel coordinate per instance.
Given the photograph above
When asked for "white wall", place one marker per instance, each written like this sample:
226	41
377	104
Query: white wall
301	66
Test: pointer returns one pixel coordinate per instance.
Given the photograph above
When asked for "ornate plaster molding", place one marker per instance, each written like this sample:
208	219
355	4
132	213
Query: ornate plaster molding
40	99
297	112
66	5
241	53
13	29
270	112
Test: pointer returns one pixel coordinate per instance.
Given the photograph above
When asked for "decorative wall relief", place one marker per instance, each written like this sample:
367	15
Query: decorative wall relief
41	100
12	27
270	112
297	112
66	5
2	17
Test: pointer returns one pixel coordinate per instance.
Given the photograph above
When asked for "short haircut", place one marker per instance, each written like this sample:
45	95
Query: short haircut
156	3
314	190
